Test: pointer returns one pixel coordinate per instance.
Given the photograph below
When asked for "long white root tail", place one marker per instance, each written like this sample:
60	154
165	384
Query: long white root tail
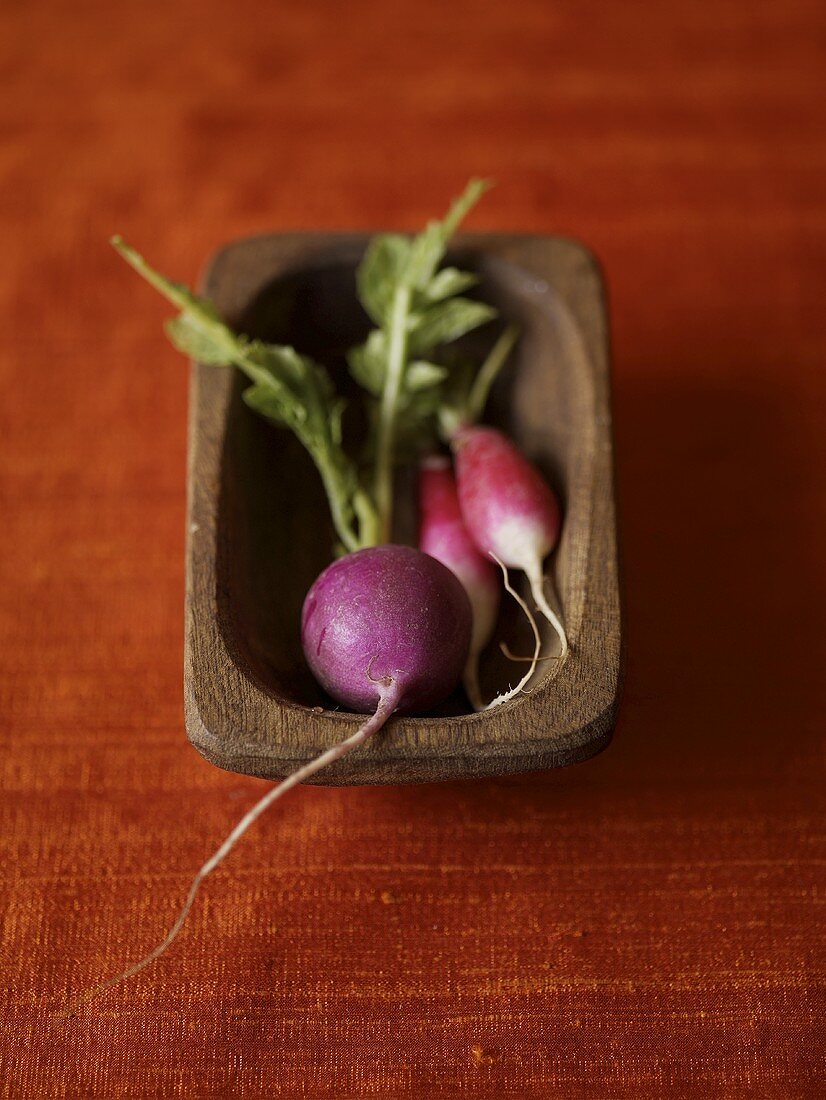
537	583
388	701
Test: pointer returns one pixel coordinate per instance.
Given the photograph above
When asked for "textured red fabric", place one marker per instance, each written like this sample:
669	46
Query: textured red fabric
645	924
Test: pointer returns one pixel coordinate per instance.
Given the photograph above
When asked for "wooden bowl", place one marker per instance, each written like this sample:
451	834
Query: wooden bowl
259	532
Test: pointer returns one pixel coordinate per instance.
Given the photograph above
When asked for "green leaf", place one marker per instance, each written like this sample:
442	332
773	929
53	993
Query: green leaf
176	293
192	338
379	272
271	403
422	375
447	282
285	364
447	321
462	206
429	247
368	362
288	389
425	255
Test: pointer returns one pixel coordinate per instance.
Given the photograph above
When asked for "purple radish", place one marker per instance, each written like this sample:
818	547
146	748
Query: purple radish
388	628
509	510
443	535
384	629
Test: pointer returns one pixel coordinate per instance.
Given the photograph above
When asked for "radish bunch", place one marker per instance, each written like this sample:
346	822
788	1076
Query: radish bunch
497	509
388	628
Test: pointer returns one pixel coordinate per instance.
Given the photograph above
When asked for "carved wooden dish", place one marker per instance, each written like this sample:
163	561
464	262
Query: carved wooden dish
259	532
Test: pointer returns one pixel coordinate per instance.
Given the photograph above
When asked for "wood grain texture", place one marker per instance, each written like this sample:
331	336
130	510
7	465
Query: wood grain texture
258	530
647	924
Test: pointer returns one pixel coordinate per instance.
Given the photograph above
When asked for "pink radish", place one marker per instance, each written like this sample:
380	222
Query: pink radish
443	535
509	510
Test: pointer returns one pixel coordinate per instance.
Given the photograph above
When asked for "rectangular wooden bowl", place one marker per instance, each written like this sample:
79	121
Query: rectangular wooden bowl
259	532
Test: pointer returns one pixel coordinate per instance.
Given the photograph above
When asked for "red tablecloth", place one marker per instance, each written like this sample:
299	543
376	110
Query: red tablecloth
641	925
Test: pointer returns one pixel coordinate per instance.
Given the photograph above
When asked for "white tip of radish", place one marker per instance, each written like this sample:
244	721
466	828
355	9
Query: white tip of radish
522	685
518	539
389	698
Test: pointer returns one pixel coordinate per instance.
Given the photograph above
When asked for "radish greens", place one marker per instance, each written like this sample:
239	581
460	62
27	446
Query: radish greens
416	308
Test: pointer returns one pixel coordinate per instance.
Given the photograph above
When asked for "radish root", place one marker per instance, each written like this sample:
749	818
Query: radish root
537	583
511	656
388	701
520	687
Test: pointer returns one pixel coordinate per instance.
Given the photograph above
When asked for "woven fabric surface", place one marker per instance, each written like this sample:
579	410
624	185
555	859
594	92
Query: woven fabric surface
645	924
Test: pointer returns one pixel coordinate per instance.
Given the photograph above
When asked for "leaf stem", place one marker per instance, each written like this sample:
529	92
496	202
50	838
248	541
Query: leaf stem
491	367
367	518
386	432
336	495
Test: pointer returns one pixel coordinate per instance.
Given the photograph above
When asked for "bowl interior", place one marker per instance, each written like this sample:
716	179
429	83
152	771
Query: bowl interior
274	532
